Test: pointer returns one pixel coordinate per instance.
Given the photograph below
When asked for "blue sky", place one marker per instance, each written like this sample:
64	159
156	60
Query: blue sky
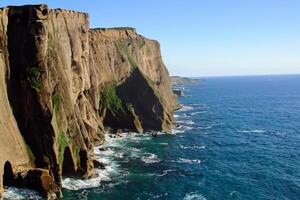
205	38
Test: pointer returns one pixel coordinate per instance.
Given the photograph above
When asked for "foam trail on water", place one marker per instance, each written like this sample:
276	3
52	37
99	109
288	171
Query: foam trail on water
188	161
194	196
252	131
150	158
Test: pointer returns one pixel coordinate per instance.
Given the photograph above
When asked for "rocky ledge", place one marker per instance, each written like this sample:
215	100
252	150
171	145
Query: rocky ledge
62	84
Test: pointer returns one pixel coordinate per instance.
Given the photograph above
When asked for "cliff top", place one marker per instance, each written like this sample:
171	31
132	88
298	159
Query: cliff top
44	6
115	28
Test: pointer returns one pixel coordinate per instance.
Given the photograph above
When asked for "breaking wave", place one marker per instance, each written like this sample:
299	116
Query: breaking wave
13	193
193	196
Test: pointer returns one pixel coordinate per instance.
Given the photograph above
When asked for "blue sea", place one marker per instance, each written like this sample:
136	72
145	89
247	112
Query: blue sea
237	138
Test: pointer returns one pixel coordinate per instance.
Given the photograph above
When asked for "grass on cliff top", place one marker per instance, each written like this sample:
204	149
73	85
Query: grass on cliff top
123	48
109	99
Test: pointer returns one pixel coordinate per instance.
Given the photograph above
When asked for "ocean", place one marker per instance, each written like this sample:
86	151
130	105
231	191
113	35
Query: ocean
237	138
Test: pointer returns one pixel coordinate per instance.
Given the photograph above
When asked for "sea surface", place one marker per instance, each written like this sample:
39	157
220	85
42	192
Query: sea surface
237	138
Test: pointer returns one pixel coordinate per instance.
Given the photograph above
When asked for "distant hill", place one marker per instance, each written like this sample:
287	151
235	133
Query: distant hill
180	81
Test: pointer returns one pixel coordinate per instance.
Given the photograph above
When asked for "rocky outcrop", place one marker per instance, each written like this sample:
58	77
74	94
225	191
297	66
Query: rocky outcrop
62	84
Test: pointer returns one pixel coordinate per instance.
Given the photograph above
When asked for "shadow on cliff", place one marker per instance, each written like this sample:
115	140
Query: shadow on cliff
135	93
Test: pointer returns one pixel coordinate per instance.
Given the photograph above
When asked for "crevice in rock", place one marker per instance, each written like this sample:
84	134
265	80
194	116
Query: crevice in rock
23	87
83	162
8	176
68	168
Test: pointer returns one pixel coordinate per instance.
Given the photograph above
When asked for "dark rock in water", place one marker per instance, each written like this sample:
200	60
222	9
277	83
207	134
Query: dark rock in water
154	134
179	93
103	148
177	126
99	165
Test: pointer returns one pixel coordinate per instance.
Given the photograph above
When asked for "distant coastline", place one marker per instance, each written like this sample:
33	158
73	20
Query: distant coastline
183	81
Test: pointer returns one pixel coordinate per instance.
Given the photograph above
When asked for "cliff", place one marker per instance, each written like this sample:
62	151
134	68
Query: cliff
63	84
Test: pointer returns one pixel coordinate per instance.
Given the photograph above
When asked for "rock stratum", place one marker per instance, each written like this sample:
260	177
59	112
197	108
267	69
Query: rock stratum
63	85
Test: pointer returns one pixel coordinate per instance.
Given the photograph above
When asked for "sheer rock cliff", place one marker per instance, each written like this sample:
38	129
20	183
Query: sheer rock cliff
63	84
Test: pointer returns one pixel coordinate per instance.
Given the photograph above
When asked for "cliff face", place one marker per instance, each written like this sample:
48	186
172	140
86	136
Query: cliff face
62	84
129	69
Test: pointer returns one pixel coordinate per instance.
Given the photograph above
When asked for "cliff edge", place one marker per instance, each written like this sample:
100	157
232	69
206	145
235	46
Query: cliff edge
63	84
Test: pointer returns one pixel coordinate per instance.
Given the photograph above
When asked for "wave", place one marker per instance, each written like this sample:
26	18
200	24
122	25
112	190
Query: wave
108	155
13	193
150	158
189	122
192	147
165	172
188	161
181	129
252	131
185	108
210	126
194	196
176	131
198	112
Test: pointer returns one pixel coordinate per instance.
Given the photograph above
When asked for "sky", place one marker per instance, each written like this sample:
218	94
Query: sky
205	37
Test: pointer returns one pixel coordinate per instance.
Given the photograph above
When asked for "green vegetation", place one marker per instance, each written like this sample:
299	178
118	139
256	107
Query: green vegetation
62	144
140	42
76	151
56	100
33	75
52	43
123	47
110	100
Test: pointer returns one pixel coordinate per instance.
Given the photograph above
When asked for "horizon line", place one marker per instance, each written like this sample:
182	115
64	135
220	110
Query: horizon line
238	75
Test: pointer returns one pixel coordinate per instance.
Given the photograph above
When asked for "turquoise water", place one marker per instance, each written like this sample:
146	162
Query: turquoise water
239	138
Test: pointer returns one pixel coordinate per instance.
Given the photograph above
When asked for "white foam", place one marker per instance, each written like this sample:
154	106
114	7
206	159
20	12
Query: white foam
165	172
78	184
252	131
181	129
185	108
13	193
150	158
119	155
176	131
192	147
189	122
210	126
188	161
198	112
194	196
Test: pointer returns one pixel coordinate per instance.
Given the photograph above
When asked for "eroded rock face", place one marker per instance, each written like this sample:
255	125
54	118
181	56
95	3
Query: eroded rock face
62	84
